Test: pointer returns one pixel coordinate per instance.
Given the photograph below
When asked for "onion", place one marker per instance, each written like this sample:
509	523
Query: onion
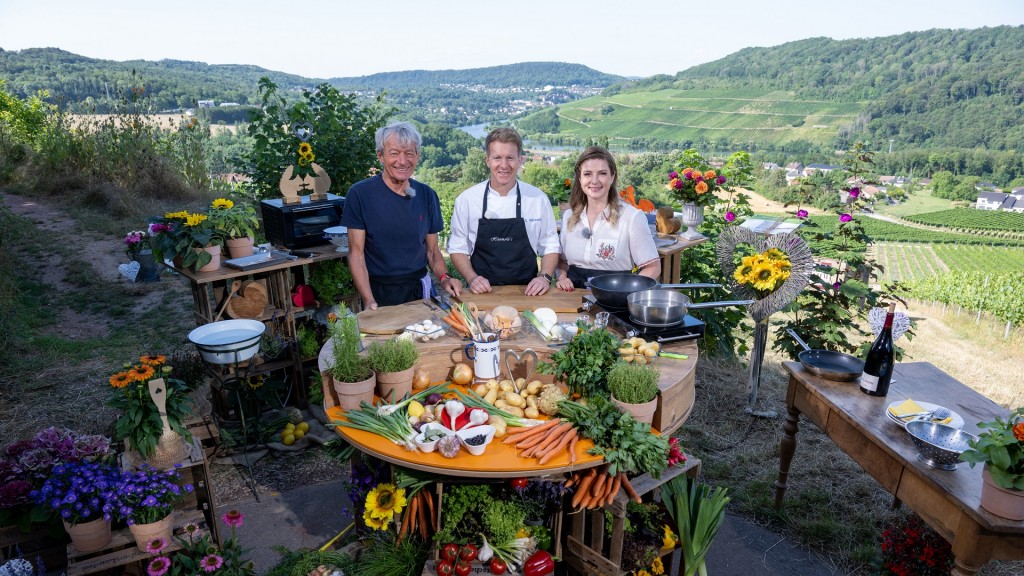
420	379
462	374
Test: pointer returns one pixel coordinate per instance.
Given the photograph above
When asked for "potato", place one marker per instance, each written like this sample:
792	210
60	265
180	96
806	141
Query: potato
640	359
515	410
637	342
534	387
520	383
499	425
492	383
500	403
531	401
491	395
656	346
531	412
506	385
481	389
649	352
513	399
627	351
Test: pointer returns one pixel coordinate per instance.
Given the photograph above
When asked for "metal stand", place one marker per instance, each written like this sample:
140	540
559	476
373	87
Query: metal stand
756	359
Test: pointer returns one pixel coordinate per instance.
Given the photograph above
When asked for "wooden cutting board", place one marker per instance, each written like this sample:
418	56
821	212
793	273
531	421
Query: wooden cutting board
393	319
557	300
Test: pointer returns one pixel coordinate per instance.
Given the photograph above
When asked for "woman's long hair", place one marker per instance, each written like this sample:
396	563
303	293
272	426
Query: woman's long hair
578	200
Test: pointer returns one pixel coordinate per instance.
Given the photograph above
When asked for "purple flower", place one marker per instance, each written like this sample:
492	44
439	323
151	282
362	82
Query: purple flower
836	285
679	184
37	459
15	493
15	450
156	545
690	175
801	214
158	566
211	562
234	518
854	192
673	174
720	180
845	218
730	216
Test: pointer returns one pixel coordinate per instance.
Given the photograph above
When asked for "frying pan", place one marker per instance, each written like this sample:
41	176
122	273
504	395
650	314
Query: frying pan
662	308
611	290
828	364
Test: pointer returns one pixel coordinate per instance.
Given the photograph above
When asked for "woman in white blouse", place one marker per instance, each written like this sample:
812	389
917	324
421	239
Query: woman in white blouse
600	233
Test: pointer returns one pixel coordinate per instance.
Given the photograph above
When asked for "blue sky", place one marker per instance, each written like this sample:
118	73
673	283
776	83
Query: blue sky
325	39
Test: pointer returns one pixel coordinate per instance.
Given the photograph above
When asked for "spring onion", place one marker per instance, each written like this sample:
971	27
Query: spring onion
473	400
541	328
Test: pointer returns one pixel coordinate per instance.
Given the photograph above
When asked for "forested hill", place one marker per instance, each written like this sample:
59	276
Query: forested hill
525	75
938	88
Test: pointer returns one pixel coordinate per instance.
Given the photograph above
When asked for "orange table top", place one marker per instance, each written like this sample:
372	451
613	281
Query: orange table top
498	460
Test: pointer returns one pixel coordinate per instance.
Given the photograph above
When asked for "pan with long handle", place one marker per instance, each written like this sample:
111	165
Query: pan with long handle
611	290
663	308
828	364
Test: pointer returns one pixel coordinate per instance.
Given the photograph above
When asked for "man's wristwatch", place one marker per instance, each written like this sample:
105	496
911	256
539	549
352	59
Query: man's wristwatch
443	277
545	276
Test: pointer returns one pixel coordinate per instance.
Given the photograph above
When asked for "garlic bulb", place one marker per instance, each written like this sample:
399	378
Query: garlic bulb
449	446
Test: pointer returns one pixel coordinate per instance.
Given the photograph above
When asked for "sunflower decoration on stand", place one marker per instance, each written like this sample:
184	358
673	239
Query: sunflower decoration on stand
764	272
383	503
308	177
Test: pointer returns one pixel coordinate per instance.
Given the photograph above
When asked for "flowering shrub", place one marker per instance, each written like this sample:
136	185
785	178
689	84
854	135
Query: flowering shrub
200	556
140	420
79	492
911	548
25	466
148	495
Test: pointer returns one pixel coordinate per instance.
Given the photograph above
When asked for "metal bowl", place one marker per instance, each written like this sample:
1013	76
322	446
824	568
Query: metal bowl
228	341
938	445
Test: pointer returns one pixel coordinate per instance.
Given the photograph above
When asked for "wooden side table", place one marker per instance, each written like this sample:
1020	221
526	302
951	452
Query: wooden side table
671	259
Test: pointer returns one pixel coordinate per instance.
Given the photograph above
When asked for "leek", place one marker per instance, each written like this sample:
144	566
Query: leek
698	512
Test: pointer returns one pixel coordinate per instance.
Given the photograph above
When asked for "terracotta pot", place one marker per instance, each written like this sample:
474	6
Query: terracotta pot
1001	501
214	264
692	217
239	247
350	394
89	536
641	412
393	386
146	533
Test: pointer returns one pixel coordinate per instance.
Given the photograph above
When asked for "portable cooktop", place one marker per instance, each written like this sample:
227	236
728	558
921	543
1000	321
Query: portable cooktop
689	329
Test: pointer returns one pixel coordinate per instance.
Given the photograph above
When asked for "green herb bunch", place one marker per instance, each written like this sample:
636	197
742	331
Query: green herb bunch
583	363
626	445
348	366
502	519
463	506
331	279
392	355
633	383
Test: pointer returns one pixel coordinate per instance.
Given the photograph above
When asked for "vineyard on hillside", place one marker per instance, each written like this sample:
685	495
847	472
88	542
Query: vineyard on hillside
883	231
997	294
915	261
972	219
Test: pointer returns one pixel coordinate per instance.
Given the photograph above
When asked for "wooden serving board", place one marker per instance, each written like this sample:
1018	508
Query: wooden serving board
557	300
393	319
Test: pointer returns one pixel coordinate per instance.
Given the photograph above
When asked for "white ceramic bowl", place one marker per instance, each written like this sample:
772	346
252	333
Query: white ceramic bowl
430	445
338	236
228	341
466	434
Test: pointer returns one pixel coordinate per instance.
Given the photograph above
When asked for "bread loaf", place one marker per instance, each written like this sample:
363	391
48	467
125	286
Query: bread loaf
665	222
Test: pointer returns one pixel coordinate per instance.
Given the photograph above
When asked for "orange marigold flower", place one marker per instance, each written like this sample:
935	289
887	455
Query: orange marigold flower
710	174
687	171
121	379
141	373
701	187
1018	431
153	360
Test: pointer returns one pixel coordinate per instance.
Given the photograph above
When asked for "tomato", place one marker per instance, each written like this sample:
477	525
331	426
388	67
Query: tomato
498	566
467	552
462	568
450	552
519	483
445	568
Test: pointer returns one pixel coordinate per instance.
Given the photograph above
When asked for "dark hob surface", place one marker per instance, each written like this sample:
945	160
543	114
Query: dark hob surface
689	329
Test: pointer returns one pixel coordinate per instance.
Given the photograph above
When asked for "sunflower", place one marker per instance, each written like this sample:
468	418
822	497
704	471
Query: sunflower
305	149
121	379
303	162
384	501
775	254
763	277
223	203
742	273
657	567
374	523
141	373
182	215
195	219
310	157
153	360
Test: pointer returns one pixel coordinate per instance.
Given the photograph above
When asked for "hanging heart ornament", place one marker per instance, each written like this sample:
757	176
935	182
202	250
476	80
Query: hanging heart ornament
129	270
303	131
520	359
793	246
900	322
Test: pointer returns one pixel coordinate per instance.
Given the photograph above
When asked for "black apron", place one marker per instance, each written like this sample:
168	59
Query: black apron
579	275
395	290
502	252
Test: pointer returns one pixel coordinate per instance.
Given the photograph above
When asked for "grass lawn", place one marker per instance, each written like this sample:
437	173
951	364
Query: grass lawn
917	203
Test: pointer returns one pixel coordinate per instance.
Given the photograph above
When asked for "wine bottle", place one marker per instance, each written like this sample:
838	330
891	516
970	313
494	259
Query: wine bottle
879	364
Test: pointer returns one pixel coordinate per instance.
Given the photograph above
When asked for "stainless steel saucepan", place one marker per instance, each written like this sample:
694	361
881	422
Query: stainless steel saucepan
611	290
662	308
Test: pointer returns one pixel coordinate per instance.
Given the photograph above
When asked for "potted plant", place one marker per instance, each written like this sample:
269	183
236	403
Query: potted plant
138	247
165	232
237	222
83	495
140	422
634	388
1001	448
146	499
331	279
198	242
694	185
393	361
350	374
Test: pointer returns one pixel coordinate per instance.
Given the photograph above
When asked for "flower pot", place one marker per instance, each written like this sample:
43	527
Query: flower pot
393	386
1001	501
214	264
641	412
170	450
350	394
148	270
89	536
146	533
239	247
693	216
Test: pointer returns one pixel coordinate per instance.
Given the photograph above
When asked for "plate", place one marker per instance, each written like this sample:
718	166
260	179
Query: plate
664	242
957	422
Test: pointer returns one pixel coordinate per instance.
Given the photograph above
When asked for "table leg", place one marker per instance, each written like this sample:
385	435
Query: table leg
786	449
970	548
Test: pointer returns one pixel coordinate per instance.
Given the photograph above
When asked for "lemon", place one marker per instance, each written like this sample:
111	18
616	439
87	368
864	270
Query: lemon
287	439
298	434
289	427
302	427
415	409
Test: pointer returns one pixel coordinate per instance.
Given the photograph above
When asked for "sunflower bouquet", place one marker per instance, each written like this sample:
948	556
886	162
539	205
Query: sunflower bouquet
140	421
764	272
383	503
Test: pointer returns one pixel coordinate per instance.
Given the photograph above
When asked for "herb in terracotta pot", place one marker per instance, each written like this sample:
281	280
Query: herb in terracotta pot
348	365
1001	448
632	383
392	356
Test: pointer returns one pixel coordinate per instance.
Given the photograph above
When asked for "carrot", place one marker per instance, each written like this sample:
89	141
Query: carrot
457	327
629	488
422	509
581	489
555	436
572	449
536	440
595	488
430	510
575	478
407	520
557	448
616	484
531	431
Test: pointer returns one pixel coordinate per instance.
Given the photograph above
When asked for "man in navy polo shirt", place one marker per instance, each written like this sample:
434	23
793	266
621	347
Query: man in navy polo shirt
393	223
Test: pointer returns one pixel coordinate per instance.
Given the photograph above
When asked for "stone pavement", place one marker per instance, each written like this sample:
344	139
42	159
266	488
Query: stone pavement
309	516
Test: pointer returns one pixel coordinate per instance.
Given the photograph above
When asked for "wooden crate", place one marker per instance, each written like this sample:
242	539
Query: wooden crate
206	430
587	552
122	550
38	543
